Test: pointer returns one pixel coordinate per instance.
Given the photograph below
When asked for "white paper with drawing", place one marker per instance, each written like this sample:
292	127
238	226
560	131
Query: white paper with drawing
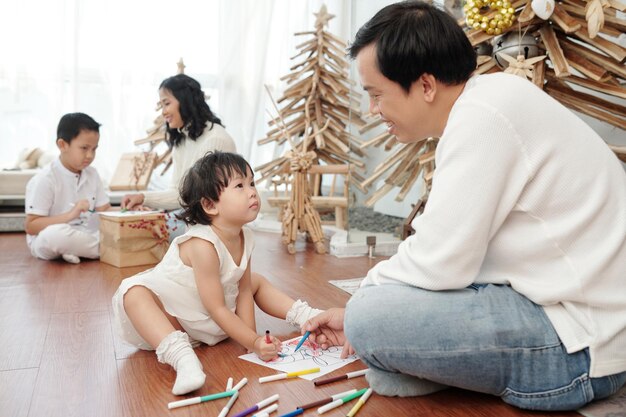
128	213
310	355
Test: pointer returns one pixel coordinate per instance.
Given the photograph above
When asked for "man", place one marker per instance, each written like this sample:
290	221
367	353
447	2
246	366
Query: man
514	282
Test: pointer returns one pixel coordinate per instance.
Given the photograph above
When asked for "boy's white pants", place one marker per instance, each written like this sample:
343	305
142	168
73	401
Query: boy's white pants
60	239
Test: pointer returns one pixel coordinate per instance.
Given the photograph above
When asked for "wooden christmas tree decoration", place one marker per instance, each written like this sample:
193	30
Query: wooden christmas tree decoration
570	31
318	104
578	37
299	215
407	164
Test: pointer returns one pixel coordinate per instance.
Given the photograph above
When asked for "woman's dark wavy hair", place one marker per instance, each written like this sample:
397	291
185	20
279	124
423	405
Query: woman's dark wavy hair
207	178
194	110
413	38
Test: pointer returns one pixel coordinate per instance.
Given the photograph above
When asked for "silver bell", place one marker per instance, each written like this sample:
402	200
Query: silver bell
510	44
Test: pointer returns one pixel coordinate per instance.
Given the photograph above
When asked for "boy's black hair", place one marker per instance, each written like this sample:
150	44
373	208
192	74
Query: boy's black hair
194	110
207	178
413	38
72	124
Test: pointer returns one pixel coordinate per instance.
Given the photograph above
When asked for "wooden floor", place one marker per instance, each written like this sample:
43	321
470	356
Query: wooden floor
58	356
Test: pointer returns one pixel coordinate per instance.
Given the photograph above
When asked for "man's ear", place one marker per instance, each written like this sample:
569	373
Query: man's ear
62	145
428	84
208	206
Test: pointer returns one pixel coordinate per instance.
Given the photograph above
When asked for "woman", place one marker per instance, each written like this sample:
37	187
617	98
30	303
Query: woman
192	131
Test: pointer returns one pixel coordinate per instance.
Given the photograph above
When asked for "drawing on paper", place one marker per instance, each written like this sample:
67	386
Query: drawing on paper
310	355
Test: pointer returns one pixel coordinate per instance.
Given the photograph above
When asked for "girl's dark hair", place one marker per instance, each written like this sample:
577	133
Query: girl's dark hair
207	178
413	38
194	110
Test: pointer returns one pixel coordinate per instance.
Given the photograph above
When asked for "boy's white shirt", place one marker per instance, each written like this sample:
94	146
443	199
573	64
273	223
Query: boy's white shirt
523	201
55	189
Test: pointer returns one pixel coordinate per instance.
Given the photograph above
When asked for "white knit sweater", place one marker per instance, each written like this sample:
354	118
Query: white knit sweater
183	157
526	194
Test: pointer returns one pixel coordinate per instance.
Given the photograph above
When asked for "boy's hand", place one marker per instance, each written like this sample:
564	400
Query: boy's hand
80	206
264	350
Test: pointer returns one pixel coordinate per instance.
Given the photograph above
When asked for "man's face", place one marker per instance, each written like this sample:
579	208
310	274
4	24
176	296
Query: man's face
406	115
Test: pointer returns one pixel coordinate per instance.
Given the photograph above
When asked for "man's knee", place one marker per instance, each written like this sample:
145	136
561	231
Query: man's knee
364	313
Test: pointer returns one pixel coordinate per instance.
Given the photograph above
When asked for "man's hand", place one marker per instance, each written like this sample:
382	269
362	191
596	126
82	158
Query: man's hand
327	330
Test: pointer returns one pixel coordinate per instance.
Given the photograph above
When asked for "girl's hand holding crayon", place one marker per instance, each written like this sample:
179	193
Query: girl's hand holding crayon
265	350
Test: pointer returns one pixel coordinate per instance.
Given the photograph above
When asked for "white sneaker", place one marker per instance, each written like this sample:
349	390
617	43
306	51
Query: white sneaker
72	259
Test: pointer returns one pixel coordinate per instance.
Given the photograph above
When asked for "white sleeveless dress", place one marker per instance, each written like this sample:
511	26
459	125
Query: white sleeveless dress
174	284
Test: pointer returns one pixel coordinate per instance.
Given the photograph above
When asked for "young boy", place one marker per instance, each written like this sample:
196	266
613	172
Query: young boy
61	200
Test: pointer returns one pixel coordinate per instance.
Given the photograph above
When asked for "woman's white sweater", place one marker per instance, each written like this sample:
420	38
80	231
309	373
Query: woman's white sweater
183	157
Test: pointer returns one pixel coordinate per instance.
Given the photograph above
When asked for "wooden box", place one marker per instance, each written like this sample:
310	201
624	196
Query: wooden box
133	238
133	171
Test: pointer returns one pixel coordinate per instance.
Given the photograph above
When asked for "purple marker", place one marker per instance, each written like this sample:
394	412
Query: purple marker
258	406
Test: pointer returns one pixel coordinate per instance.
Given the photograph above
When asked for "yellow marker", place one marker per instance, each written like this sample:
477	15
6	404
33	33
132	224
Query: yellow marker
288	375
360	403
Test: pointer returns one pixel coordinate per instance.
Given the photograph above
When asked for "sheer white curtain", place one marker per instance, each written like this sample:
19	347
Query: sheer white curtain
104	58
107	57
262	41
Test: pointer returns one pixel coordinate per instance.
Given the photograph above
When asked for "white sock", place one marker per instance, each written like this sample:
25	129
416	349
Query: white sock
176	351
73	259
300	312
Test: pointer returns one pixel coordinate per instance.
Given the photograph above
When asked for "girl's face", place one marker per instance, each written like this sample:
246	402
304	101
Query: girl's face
170	109
239	202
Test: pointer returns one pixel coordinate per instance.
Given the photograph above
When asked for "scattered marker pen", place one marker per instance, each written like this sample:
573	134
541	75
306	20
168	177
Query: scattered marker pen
198	400
359	403
340	377
232	400
287	375
293	413
341	401
266	411
229	404
327	400
258	406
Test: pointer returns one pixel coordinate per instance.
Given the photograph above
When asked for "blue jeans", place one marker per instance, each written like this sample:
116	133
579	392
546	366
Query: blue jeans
485	338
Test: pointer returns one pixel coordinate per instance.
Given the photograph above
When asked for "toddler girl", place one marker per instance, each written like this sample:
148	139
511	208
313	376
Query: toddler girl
203	289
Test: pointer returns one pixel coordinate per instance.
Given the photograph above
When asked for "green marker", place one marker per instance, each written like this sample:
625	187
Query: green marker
198	400
341	401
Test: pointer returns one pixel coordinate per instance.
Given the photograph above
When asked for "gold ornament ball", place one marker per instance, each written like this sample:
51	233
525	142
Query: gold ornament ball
502	19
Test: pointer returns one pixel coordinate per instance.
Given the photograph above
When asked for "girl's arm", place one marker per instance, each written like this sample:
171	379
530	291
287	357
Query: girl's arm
201	255
245	300
245	310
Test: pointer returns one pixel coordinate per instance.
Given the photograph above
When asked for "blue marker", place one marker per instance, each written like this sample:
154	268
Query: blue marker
304	338
296	412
